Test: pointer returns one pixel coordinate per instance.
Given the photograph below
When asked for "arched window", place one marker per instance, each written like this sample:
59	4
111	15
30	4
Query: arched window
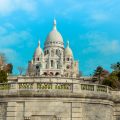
57	66
37	67
68	66
46	66
68	59
57	52
57	73
47	51
38	59
45	74
52	52
51	73
52	63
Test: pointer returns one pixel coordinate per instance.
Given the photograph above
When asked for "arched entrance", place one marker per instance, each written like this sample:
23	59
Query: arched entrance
45	74
51	74
57	73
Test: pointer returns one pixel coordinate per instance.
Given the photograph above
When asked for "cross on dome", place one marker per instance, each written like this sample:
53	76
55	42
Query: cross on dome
54	24
39	43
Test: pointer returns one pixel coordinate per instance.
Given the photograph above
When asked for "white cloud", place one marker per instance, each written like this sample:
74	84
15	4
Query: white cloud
107	46
9	6
98	42
10	54
13	37
13	41
99	17
9	26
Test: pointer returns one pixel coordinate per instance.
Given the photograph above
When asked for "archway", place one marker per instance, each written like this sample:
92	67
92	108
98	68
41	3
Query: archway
57	73
45	74
51	73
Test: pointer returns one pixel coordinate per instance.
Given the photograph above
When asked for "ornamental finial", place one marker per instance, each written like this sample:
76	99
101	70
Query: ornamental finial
39	43
54	24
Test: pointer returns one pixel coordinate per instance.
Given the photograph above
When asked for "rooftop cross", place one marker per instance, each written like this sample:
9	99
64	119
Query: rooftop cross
39	43
54	24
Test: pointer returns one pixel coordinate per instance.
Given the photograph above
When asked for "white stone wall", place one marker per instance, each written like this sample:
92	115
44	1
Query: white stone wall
97	112
82	102
60	109
3	110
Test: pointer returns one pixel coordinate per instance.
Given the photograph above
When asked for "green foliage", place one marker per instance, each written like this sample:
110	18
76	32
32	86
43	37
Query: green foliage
113	80
3	76
116	66
108	82
3	57
100	73
9	68
110	79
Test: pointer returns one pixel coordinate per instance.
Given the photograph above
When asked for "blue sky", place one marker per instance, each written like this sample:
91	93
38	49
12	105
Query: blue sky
91	26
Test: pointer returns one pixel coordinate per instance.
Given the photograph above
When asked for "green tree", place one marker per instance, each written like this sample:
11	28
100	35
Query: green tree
116	66
108	82
116	69
3	76
2	58
100	73
9	68
113	80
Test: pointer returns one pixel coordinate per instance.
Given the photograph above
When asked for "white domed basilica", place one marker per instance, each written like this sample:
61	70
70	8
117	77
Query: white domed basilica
55	60
53	90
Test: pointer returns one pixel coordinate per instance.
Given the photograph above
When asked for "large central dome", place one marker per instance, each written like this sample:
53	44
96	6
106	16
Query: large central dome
54	38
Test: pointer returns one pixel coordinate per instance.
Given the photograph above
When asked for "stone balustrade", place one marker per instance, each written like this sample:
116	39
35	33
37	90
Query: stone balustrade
72	87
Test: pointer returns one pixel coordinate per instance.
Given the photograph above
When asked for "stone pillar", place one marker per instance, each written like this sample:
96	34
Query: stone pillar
77	88
35	86
76	111
95	88
11	111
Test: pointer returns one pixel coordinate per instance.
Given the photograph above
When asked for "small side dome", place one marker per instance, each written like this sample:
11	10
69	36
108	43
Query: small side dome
68	51
38	51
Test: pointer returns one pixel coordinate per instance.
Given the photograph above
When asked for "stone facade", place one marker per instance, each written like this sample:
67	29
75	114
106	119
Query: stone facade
55	60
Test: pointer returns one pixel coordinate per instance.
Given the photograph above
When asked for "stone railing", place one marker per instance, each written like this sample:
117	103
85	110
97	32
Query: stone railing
73	87
95	87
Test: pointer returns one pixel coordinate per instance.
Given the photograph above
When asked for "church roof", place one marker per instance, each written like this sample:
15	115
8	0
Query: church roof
54	36
68	51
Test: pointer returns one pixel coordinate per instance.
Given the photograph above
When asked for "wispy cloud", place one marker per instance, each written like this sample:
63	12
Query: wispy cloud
10	53
10	6
10	37
13	42
98	42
